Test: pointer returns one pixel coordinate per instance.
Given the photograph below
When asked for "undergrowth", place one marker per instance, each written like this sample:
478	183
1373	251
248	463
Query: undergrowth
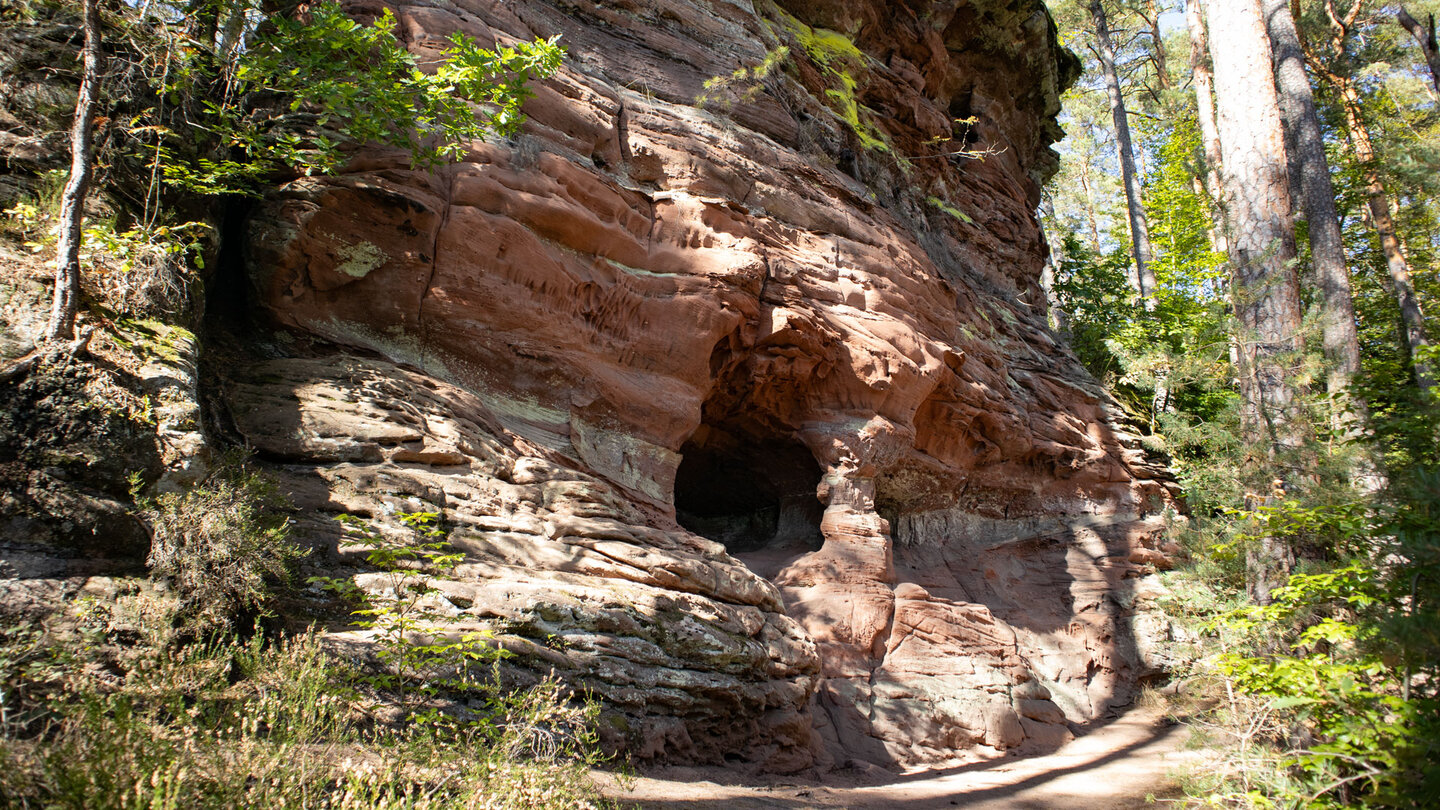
1327	695
153	700
263	724
223	545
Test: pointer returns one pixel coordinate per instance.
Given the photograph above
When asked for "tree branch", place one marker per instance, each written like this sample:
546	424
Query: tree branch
1425	38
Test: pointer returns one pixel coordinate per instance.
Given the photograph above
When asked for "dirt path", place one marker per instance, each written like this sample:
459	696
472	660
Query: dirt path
1112	768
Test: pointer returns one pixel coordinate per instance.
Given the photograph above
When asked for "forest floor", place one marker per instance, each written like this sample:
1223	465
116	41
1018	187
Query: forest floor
1127	763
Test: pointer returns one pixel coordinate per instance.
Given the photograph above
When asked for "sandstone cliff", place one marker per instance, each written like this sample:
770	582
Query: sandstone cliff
731	376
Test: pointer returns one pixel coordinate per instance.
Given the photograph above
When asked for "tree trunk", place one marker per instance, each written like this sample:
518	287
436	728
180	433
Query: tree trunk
1377	201
1425	37
1157	42
1308	165
1090	206
1205	111
66	301
1055	312
1139	231
1264	288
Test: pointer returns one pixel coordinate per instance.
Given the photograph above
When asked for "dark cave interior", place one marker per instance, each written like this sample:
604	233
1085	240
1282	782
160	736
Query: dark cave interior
749	488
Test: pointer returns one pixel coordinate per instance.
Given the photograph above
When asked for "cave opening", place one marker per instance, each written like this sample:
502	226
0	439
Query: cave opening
753	490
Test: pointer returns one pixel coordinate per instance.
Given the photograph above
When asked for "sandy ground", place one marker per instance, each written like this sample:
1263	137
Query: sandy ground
1115	767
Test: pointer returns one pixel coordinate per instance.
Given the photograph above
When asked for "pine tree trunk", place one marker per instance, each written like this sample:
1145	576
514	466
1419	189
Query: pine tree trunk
1264	288
1157	43
1377	198
1205	111
66	302
1090	217
1425	37
1378	207
1139	230
1317	194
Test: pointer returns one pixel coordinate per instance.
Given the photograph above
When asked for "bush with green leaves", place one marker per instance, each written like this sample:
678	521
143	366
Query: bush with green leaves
304	85
203	101
1332	691
418	659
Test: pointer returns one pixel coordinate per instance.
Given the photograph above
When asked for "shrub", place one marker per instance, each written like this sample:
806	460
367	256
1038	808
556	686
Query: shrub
1329	694
223	544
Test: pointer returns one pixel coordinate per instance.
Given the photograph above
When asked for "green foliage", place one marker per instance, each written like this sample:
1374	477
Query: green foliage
212	98
223	544
321	79
1098	303
106	707
950	209
838	58
1339	671
1170	366
1189	271
143	269
744	84
1327	696
417	662
1404	422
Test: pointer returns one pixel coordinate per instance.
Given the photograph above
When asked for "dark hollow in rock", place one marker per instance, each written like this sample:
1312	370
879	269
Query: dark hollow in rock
750	489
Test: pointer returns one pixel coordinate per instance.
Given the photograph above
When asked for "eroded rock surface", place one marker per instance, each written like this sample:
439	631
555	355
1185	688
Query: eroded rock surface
745	412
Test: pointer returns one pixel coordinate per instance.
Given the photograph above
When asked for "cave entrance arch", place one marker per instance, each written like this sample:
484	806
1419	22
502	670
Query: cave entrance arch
752	489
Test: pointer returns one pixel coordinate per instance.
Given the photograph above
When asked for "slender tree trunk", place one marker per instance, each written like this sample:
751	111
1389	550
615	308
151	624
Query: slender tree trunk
1090	206
1205	112
1424	37
1377	201
1308	165
66	301
1157	52
1377	198
1055	313
1139	230
1264	287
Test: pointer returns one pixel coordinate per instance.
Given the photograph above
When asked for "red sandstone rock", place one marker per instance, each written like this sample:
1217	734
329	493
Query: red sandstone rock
642	316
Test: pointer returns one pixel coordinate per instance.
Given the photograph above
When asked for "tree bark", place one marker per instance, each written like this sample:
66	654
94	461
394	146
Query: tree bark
1157	43
1424	37
1139	230
1205	111
66	303
1264	288
1058	321
1317	194
1377	203
1090	206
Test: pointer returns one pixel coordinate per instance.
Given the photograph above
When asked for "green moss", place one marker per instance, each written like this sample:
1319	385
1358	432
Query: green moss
151	337
951	210
838	56
848	108
830	49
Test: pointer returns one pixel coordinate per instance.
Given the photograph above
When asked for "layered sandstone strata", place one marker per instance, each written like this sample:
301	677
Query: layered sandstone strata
731	376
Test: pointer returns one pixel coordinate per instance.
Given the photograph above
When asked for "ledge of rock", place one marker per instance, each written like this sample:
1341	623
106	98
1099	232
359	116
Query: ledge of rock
738	398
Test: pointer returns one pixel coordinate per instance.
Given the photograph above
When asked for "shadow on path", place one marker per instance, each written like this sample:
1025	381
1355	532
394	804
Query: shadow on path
1112	769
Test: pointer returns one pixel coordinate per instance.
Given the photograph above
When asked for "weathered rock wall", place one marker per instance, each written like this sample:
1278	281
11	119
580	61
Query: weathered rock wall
801	319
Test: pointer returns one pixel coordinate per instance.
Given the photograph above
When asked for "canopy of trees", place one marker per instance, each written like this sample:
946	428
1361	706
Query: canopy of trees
1244	238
